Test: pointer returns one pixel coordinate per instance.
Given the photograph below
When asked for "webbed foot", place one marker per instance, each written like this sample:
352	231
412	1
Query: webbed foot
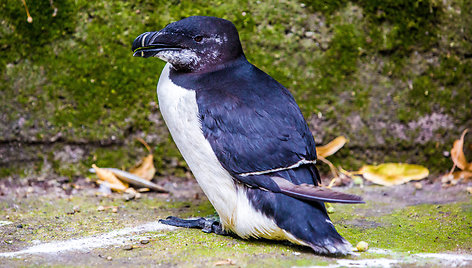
207	225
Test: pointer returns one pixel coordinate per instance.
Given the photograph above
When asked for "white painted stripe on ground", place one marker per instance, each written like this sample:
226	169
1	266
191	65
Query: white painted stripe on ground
2	223
395	259
452	259
382	262
98	241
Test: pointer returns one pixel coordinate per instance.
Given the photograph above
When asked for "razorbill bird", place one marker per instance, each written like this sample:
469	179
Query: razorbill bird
242	135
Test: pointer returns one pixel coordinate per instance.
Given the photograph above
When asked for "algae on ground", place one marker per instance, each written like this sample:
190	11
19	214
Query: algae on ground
414	229
399	229
45	219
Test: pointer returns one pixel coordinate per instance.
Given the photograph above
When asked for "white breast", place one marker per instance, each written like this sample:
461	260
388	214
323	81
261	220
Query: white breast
180	111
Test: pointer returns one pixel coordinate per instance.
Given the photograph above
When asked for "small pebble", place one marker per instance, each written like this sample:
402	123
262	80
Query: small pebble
128	247
309	34
114	210
469	189
144	241
19	226
7	217
330	209
109	258
418	185
100	208
76	209
362	246
129	197
357	180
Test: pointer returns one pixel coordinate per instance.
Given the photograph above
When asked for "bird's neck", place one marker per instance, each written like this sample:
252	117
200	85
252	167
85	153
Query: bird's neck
214	67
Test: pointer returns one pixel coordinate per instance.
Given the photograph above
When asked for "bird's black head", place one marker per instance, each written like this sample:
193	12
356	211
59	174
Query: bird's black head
193	44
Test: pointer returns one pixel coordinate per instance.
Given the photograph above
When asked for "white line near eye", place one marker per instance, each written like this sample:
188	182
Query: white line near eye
142	44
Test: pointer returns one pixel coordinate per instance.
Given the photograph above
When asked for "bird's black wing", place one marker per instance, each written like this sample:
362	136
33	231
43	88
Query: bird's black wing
252	122
258	132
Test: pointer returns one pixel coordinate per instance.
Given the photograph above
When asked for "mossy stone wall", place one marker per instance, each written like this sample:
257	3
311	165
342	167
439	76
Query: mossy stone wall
393	76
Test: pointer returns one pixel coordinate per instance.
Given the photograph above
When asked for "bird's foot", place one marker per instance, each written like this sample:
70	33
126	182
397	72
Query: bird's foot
207	225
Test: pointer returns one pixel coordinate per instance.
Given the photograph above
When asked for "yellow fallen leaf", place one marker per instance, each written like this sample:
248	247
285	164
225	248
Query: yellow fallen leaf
457	153
332	147
145	168
108	176
389	174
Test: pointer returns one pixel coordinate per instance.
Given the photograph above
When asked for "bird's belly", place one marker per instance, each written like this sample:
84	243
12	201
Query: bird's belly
180	111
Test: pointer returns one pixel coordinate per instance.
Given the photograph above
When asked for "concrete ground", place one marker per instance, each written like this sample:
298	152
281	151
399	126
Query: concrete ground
61	223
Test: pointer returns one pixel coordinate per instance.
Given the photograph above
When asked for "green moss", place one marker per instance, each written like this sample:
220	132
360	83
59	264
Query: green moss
388	61
21	39
47	219
422	228
9	171
165	153
412	23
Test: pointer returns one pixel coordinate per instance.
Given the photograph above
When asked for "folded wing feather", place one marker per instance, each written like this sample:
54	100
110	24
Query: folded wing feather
315	193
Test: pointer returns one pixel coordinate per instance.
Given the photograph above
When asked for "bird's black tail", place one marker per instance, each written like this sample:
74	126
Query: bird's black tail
307	221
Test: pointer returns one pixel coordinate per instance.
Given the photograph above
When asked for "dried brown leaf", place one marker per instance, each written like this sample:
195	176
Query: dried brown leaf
462	174
145	167
457	153
331	166
389	174
108	176
135	180
332	147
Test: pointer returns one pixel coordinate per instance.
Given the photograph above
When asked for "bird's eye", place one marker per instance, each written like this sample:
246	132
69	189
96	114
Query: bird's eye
198	38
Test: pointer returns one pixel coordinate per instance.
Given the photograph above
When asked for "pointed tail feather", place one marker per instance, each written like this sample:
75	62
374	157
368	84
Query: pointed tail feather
315	193
333	248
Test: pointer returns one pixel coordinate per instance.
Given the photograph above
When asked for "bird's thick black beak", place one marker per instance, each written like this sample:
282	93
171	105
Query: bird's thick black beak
149	44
